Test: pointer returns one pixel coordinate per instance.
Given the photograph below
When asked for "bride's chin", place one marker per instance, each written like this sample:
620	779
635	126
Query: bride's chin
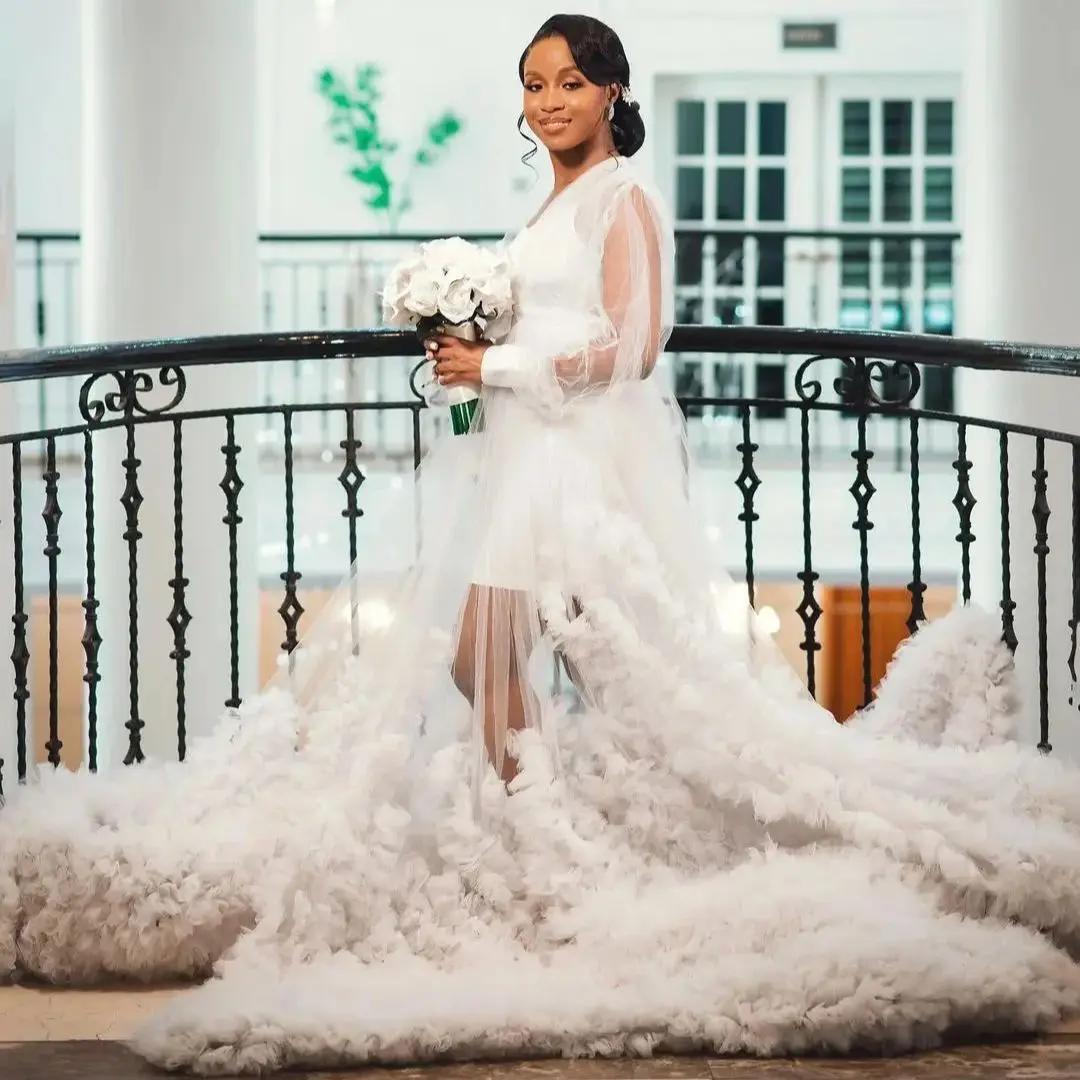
560	141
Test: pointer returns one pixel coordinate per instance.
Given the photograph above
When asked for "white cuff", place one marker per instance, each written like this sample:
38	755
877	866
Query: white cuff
504	365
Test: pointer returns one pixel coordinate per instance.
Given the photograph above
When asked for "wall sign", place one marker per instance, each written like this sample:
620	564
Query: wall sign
809	35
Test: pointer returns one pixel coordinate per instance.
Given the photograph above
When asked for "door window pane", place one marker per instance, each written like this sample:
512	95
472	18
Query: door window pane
771	195
730	194
689	384
688	309
855	194
894	316
896	127
771	382
856	128
731	311
938	317
855	264
688	251
896	264
938	194
690	127
939	127
690	193
896	194
731	127
939	264
937	389
728	383
770	312
729	260
770	269
855	315
772	128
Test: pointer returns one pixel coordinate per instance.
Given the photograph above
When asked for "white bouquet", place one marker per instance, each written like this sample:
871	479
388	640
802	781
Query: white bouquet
452	287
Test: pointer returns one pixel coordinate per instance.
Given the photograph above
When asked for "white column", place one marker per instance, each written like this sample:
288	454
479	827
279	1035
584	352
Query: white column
8	722
170	250
1021	266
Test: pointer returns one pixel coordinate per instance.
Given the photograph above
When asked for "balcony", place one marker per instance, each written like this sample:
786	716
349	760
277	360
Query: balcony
872	514
857	278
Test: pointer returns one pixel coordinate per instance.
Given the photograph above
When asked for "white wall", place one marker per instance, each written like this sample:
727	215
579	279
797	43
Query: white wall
435	57
40	48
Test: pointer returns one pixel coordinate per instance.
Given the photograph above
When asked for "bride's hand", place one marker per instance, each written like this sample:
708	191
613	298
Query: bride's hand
456	361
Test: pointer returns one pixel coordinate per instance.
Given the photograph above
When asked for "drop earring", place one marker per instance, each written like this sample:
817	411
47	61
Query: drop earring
611	111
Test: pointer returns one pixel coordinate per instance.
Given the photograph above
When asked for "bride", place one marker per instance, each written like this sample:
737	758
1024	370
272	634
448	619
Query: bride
414	844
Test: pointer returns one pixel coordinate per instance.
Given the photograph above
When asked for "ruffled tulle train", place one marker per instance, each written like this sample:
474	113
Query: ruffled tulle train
711	864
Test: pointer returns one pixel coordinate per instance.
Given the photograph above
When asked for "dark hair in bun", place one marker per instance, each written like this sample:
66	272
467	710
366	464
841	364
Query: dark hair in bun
601	58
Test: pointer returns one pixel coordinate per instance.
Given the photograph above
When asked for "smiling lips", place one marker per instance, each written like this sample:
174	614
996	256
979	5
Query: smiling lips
554	124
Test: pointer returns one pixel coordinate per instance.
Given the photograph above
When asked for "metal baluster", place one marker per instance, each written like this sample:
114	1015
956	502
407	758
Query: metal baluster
863	491
179	617
291	609
748	483
809	610
51	515
132	501
1074	622
1008	605
20	652
350	479
964	501
232	485
91	638
916	587
1040	511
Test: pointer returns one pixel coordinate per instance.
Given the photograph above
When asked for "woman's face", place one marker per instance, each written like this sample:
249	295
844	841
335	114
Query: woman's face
561	106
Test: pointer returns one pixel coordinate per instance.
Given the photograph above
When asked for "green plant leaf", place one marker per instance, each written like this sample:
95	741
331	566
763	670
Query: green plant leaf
444	128
379	201
353	122
369	174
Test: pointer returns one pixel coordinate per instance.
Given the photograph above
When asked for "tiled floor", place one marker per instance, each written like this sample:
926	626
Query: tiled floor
48	1034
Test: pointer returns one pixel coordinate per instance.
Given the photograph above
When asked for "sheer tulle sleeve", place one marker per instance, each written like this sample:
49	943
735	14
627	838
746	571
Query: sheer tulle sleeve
625	239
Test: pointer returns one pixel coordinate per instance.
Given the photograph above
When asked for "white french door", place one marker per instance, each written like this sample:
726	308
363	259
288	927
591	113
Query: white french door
809	200
890	161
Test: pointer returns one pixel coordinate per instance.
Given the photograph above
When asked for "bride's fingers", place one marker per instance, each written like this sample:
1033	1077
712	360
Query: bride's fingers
450	375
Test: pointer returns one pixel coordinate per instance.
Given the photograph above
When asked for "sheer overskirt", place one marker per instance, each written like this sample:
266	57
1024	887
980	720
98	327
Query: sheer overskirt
578	436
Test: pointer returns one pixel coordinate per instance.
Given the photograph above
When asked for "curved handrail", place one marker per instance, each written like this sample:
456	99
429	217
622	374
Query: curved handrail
927	349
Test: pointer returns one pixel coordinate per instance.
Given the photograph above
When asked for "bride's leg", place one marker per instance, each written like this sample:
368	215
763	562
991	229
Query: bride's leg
493	646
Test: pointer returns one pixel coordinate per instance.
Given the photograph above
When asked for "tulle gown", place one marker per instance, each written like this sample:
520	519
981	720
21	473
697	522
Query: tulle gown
692	855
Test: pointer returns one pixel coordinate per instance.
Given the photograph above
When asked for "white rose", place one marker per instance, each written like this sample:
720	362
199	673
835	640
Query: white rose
393	314
395	294
423	294
456	300
449	254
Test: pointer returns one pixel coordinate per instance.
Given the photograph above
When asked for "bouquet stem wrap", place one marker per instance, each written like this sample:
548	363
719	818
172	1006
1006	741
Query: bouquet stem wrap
463	400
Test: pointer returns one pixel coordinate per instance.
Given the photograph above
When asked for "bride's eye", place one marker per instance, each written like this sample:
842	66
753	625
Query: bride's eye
533	87
573	85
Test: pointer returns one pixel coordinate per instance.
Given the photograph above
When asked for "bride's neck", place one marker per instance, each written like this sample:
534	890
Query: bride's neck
570	164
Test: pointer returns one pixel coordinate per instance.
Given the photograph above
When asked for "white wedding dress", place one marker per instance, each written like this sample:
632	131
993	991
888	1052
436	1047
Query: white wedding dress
693	855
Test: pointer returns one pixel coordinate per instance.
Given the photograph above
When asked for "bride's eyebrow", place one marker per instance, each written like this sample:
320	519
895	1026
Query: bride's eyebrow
560	74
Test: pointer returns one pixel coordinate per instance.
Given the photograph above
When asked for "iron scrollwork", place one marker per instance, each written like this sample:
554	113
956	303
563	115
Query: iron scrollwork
417	384
128	400
862	383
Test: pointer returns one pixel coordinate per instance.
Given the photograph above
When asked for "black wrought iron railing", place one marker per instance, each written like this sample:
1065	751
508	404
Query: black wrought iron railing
856	278
118	514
